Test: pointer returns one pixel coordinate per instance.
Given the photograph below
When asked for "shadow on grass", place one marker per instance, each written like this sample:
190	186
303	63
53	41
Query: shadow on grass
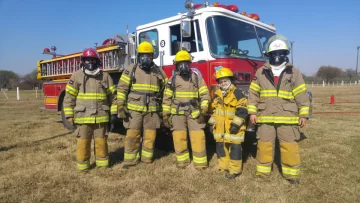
36	142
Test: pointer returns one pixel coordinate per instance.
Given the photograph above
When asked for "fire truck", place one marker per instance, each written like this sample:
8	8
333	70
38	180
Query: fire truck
215	34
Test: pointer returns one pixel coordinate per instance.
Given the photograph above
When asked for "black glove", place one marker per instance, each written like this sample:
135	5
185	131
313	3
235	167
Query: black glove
234	129
114	119
201	118
167	121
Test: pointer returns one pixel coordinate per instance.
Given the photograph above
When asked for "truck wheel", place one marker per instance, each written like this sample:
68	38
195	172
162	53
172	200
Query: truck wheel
64	121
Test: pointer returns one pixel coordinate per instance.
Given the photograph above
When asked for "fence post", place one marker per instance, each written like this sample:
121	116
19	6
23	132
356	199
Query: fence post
17	93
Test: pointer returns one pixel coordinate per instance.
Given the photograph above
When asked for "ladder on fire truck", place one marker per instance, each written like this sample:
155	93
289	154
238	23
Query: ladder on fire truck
115	54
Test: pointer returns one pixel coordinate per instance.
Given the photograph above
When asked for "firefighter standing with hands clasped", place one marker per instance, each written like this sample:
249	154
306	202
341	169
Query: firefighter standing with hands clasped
89	100
228	123
278	104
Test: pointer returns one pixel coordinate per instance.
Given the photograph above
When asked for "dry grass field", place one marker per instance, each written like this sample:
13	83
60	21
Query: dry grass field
37	162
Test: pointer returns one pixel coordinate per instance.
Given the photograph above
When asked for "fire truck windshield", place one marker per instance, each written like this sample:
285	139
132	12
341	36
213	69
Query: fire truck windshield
233	38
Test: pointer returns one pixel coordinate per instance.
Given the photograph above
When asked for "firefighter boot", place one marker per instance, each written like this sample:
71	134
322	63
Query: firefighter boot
83	154
101	152
290	161
222	156
235	163
264	158
199	149
147	151
180	145
132	144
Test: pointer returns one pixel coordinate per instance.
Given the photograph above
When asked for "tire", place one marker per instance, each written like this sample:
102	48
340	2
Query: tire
64	121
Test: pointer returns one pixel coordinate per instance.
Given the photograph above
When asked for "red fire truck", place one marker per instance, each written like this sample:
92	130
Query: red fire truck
215	35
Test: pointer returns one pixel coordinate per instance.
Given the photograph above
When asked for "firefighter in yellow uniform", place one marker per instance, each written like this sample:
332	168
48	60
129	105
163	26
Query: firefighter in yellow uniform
139	104
89	100
228	123
279	104
185	104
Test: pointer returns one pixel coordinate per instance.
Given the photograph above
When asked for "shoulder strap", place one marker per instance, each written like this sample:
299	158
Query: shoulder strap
173	85
132	75
197	85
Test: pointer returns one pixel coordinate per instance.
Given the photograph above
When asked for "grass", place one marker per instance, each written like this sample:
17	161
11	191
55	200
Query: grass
37	156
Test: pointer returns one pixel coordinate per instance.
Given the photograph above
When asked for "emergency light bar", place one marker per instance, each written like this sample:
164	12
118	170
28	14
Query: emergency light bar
190	6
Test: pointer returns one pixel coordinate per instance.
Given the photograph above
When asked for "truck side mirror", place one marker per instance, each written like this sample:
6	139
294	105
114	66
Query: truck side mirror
186	28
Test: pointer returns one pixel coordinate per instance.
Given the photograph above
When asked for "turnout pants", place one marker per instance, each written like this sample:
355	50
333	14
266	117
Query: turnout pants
289	149
84	135
134	124
197	138
229	152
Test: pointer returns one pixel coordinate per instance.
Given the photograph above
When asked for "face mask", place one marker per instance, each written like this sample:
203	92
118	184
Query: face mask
277	57
224	83
145	60
90	66
183	68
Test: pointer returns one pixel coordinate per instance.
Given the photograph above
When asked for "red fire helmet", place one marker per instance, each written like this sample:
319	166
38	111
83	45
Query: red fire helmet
90	53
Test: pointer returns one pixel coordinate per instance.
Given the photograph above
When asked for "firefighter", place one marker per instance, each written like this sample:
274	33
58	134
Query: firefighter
89	100
185	104
228	123
139	104
278	104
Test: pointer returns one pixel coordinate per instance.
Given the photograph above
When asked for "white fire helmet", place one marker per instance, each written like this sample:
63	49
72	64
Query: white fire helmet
277	42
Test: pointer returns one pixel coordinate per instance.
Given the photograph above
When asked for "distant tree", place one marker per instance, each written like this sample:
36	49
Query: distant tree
30	81
8	78
351	73
328	73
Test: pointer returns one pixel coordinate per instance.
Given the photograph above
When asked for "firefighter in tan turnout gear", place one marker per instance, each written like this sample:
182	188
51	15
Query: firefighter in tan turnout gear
89	100
279	104
185	104
139	104
228	123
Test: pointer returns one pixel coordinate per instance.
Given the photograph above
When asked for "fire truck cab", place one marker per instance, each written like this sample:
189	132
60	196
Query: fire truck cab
214	34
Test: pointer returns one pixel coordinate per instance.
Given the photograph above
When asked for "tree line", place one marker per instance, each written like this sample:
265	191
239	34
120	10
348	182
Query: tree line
332	74
11	80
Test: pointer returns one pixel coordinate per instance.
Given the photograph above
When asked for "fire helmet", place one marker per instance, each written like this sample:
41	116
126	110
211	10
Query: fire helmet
182	62
90	53
145	55
277	49
277	42
145	48
224	73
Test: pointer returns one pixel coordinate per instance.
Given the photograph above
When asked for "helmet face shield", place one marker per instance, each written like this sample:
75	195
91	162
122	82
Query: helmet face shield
145	60
183	67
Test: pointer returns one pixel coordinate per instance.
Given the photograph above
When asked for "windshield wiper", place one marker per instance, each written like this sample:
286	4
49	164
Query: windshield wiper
240	52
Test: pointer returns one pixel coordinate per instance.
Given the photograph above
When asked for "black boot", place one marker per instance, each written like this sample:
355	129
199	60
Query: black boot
231	176
294	182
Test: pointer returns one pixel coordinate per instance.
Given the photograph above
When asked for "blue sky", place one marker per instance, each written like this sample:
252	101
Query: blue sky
325	32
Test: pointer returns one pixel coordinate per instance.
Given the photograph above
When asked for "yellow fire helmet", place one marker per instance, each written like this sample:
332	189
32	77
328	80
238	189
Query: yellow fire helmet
145	48
182	56
224	73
